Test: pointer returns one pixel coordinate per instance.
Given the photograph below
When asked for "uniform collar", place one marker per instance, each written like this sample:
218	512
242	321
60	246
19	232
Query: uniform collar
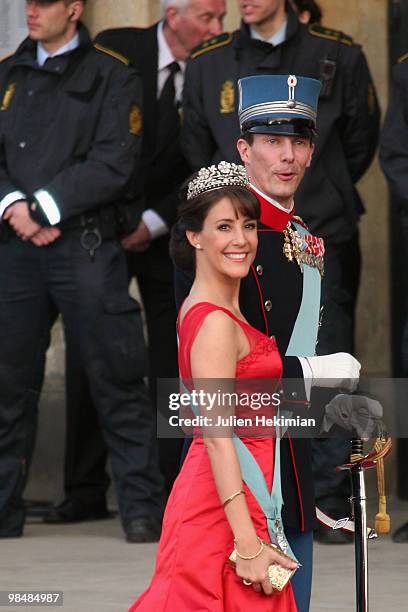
43	55
26	53
277	39
272	213
292	27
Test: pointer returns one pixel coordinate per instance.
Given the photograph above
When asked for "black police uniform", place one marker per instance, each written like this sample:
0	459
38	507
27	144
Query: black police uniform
69	141
394	162
164	169
348	122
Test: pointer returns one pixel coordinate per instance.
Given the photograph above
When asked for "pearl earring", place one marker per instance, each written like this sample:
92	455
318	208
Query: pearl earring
198	246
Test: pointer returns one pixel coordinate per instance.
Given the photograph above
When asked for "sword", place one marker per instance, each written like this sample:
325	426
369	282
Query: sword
358	464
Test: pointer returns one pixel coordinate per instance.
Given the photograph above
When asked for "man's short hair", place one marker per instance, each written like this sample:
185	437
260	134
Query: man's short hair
180	4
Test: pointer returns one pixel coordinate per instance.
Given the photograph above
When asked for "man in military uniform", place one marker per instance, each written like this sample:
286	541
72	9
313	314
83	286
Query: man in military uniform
394	162
70	123
272	41
281	294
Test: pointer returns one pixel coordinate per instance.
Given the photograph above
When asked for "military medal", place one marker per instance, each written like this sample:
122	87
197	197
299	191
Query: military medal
308	250
291	248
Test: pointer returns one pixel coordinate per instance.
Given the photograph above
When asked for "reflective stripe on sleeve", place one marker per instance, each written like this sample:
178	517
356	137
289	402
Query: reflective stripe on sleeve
9	199
49	206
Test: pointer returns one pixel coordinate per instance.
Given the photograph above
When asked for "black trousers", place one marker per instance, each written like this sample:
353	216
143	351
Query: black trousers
339	297
103	328
85	456
155	275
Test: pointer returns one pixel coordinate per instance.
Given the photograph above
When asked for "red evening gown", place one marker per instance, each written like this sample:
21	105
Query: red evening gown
192	572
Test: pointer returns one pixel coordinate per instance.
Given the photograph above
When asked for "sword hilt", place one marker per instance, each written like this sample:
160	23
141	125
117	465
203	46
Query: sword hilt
357	449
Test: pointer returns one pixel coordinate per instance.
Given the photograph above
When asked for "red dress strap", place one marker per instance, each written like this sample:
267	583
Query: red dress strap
191	324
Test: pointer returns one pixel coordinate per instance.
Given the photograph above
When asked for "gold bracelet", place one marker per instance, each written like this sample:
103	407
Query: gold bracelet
251	556
233	496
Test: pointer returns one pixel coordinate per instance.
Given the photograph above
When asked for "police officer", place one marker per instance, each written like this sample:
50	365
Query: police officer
394	162
271	40
70	123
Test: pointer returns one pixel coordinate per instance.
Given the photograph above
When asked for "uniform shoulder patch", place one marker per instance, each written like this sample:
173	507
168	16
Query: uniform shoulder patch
301	222
402	58
327	33
214	43
112	53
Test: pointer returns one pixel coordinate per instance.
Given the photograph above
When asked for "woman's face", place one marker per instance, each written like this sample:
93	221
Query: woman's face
228	241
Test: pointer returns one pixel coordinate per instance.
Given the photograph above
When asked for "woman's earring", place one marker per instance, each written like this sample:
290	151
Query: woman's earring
198	246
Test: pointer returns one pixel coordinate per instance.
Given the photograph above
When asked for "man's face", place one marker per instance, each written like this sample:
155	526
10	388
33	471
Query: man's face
276	164
49	23
201	20
256	12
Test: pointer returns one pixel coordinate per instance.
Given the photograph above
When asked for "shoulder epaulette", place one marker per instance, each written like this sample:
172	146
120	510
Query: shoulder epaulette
112	53
402	58
301	222
6	57
213	43
327	33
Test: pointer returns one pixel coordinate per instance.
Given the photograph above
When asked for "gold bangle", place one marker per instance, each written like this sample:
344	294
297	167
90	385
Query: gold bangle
251	556
233	496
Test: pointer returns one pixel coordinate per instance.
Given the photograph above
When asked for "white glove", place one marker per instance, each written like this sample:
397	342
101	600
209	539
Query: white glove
340	370
355	413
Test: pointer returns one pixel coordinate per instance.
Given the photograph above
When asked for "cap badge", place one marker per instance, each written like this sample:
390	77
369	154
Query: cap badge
292	82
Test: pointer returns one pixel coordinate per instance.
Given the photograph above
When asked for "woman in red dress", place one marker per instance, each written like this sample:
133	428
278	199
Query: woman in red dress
210	510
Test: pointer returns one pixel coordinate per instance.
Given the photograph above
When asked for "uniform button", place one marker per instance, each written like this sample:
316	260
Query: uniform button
294	394
22	144
268	305
30	92
57	68
259	270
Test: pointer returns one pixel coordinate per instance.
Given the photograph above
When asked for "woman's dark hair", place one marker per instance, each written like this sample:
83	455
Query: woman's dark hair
192	214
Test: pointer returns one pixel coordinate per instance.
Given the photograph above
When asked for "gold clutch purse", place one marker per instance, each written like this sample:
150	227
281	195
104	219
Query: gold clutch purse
278	575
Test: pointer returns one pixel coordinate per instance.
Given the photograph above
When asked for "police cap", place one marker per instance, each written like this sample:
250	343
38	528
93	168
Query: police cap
278	104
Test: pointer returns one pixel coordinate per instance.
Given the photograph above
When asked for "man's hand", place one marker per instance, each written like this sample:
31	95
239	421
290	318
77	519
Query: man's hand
19	218
46	236
340	370
359	415
139	240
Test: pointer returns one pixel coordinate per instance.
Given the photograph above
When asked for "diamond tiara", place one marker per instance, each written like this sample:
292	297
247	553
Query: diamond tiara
222	175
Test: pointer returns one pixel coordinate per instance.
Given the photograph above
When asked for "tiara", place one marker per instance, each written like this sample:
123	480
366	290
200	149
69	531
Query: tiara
222	175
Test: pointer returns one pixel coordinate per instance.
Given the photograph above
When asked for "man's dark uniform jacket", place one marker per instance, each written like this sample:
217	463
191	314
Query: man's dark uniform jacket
47	127
347	119
164	169
164	165
270	300
394	144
